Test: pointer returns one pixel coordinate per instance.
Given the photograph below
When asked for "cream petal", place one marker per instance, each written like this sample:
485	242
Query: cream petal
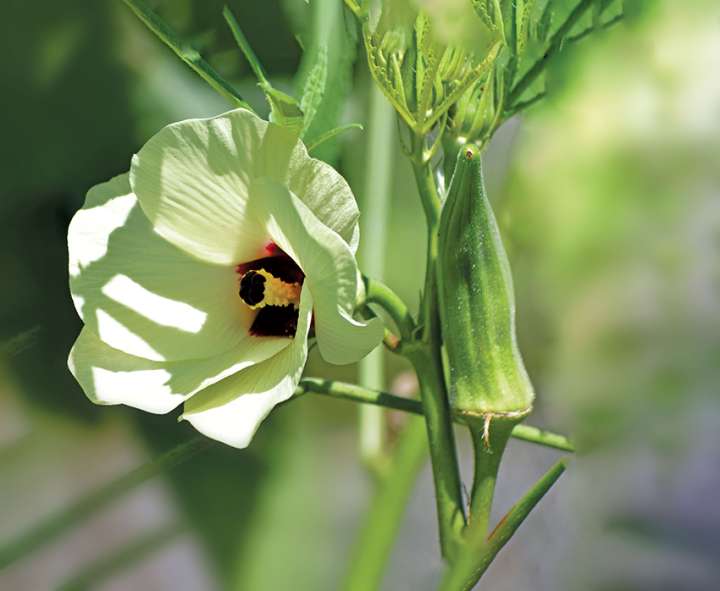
141	294
236	422
109	376
232	409
330	269
193	178
319	186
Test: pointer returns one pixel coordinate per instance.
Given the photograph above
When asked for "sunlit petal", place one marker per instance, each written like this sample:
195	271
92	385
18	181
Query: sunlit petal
109	376
193	177
330	269
140	293
232	409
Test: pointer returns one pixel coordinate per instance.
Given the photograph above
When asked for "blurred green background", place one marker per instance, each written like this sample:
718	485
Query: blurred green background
607	193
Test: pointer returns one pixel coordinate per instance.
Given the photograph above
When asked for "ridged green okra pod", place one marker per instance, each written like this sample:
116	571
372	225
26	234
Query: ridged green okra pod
488	379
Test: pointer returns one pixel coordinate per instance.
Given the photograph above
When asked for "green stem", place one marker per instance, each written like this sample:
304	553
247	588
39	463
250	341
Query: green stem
601	27
382	522
185	52
522	105
330	134
355	8
372	256
71	516
542	437
489	444
100	571
245	47
480	551
427	190
20	342
426	357
355	393
555	45
443	455
376	292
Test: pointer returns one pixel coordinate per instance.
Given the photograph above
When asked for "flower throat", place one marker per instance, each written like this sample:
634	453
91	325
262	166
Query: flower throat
272	286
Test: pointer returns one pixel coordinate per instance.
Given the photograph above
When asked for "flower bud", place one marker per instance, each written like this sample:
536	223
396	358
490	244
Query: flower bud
487	376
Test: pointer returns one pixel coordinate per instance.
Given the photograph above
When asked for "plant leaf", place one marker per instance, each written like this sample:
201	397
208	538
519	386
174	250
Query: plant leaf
325	74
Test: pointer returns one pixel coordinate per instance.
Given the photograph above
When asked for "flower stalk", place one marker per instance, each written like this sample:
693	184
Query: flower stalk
376	292
488	446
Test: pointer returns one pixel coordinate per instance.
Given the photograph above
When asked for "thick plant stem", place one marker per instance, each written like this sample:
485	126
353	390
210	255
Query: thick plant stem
443	455
372	256
426	357
480	550
382	522
73	515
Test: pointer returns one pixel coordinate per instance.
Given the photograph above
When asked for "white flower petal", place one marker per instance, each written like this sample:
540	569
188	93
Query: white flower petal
232	409
109	376
193	177
319	186
140	293
192	180
330	269
235	423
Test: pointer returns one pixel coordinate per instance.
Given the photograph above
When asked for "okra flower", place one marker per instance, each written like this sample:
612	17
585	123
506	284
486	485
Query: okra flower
201	274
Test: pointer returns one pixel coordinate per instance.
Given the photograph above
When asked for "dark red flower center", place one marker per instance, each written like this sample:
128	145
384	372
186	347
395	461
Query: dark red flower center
271	285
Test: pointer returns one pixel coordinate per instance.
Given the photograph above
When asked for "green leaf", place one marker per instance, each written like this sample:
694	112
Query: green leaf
325	76
479	551
315	86
544	23
522	24
185	52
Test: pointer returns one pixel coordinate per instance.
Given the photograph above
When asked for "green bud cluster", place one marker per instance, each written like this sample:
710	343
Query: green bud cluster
421	72
520	27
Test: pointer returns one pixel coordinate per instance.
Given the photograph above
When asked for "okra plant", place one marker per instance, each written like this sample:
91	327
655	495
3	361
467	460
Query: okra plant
206	272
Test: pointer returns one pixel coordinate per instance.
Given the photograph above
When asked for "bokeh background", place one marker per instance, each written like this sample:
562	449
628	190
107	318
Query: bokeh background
608	194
